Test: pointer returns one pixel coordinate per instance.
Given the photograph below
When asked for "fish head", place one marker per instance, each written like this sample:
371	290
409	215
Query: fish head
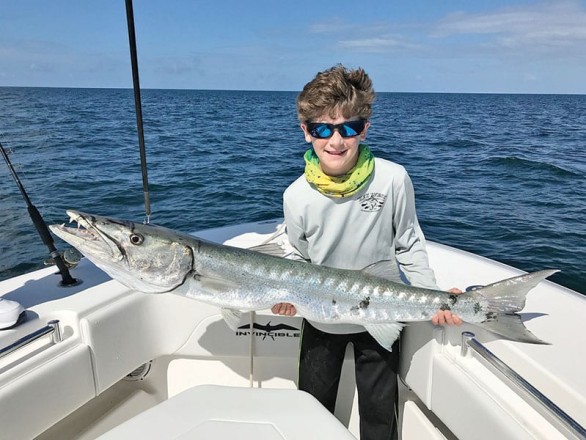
143	257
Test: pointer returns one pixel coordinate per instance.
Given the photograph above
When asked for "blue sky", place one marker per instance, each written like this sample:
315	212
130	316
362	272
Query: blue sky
515	46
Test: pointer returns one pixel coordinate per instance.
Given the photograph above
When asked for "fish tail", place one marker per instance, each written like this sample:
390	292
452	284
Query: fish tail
508	296
504	299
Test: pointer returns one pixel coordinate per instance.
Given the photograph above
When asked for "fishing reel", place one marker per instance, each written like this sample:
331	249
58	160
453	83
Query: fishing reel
71	257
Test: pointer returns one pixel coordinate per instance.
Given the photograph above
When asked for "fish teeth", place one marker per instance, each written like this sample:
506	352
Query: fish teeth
76	218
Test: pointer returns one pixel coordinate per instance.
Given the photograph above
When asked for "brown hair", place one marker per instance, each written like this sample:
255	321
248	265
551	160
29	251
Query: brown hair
336	91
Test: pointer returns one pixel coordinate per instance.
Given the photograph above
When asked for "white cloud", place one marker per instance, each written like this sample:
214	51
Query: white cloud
331	26
550	26
555	28
377	44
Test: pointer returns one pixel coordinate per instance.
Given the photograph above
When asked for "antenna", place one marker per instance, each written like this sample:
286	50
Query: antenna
138	107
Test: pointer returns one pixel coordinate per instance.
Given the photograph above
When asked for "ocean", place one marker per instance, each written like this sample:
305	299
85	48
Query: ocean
502	176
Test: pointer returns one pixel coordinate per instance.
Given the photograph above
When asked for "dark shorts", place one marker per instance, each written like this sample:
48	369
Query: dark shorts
321	357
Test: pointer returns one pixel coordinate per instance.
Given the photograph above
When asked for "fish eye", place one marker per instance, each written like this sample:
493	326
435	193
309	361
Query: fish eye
136	239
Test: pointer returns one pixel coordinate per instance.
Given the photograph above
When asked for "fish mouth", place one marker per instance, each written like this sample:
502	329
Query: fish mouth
88	238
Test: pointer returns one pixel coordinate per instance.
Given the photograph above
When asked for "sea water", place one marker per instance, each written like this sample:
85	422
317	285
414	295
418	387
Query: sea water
503	176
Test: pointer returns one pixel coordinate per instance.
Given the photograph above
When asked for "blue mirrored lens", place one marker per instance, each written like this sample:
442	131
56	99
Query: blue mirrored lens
347	131
321	130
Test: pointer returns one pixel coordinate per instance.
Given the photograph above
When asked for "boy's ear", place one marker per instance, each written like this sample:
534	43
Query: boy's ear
363	134
306	133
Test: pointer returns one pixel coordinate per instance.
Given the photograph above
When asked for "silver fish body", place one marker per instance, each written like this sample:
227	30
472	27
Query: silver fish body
153	259
251	281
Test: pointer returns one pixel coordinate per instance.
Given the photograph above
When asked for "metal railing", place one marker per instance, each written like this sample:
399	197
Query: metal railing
52	328
545	406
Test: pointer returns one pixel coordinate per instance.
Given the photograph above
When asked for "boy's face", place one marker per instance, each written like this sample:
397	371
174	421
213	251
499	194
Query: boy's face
337	155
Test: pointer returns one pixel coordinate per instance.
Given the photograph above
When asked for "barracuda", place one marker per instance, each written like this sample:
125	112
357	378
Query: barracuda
154	259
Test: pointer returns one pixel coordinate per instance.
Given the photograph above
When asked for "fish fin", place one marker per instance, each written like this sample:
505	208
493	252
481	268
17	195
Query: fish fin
386	269
277	250
508	296
273	249
211	284
232	318
504	299
511	327
385	334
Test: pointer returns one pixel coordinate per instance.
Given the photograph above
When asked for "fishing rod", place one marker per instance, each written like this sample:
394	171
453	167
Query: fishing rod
35	215
138	107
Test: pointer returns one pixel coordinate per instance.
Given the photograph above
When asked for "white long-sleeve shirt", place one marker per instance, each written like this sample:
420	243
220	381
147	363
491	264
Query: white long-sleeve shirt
377	223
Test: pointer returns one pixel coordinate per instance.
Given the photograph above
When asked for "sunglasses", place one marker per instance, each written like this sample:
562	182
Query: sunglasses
321	130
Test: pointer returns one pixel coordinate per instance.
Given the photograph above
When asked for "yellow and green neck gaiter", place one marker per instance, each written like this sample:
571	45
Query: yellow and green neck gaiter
340	186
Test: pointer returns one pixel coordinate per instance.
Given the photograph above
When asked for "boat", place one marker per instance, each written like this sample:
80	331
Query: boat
94	359
99	360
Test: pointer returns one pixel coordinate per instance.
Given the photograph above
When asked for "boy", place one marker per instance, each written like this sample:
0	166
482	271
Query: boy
350	210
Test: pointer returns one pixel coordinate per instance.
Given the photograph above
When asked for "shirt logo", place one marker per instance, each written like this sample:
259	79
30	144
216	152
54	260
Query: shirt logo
372	202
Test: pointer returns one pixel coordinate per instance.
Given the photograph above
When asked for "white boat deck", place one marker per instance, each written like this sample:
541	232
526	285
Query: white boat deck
79	389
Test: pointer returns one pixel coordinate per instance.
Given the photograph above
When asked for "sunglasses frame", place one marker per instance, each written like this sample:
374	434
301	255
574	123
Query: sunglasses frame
312	126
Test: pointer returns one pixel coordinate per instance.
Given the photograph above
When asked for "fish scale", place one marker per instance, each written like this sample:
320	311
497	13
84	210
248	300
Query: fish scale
346	288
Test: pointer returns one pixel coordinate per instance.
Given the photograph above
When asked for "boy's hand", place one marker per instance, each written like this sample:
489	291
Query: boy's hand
446	317
286	309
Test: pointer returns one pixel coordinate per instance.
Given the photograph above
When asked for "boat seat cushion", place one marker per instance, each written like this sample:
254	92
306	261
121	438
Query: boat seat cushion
221	412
